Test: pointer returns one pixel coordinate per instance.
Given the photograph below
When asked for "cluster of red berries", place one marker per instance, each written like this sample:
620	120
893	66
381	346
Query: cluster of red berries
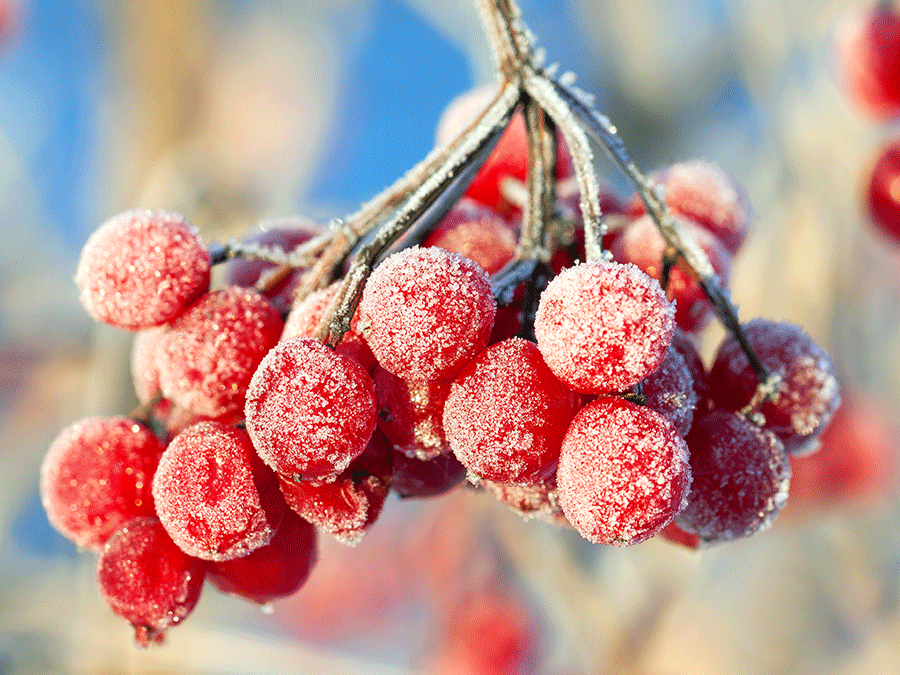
868	48
321	376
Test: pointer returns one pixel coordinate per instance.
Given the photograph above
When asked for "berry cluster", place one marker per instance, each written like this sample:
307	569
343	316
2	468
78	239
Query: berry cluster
446	330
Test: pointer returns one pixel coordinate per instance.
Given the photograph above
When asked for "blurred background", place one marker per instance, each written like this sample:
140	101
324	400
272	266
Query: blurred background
230	111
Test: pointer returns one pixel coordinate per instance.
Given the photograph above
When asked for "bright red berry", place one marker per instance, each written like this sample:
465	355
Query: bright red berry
142	269
97	476
623	472
603	327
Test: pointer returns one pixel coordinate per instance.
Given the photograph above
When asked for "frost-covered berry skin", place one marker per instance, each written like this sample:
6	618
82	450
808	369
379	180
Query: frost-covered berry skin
207	356
213	494
304	318
418	479
97	476
426	312
310	411
809	394
507	413
707	194
142	269
623	472
603	327
641	243
147	580
741	477
475	231
410	414
539	501
669	390
276	570
350	504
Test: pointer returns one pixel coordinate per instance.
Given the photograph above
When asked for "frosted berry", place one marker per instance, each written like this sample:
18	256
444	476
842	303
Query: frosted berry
214	496
669	390
310	411
741	476
868	53
684	344
603	327
883	193
809	394
623	472
426	312
641	243
539	501
416	478
476	232
276	570
704	192
304	318
147	580
410	414
348	505
208	355
507	413
142	269
97	476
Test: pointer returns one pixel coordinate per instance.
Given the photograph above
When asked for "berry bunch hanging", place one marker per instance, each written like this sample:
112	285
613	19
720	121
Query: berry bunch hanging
496	315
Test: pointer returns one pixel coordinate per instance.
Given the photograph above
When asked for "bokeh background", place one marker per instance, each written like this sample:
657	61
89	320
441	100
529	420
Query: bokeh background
231	111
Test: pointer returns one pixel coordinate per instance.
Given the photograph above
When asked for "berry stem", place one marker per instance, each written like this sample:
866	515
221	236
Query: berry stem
541	186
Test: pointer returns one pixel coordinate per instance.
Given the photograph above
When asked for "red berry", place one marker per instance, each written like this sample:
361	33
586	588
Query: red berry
416	478
310	411
809	394
147	580
509	159
97	476
641	243
507	413
623	472
741	475
214	496
868	51
884	191
208	355
349	505
142	269
539	501
476	232
705	193
276	570
603	327
684	344
410	414
426	312
669	390
304	318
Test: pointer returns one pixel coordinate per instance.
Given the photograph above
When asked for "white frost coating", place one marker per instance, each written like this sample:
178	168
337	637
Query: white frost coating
568	78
